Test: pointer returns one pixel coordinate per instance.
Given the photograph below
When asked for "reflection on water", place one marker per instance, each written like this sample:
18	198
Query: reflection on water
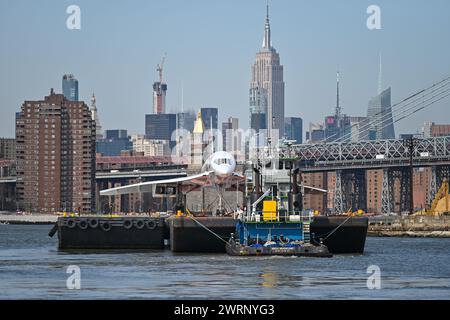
31	267
269	279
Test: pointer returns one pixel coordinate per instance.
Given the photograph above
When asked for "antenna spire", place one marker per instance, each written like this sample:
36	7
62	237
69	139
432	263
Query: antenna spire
93	99
338	105
267	42
182	97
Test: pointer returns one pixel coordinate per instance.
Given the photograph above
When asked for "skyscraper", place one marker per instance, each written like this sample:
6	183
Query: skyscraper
70	87
258	121
337	126
159	91
258	100
186	120
160	127
379	113
55	148
258	108
114	143
159	97
230	135
150	147
357	127
210	118
267	73
316	133
293	129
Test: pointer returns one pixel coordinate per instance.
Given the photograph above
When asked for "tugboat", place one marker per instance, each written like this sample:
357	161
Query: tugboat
280	176
274	235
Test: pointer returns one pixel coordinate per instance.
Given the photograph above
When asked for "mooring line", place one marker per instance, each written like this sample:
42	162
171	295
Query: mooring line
337	228
205	227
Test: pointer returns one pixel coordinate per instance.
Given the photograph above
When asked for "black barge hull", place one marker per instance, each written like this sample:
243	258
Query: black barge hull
110	233
341	235
202	235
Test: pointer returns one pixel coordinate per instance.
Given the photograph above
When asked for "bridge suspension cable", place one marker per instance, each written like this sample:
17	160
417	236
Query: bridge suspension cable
399	108
403	112
416	100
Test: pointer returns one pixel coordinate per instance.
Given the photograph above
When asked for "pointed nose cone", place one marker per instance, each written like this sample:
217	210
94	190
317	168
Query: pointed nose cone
223	170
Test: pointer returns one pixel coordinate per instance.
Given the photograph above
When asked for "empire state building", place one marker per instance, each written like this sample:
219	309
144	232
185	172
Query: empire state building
267	80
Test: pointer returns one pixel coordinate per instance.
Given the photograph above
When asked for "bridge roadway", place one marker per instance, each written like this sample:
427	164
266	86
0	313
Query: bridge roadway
378	154
332	156
146	175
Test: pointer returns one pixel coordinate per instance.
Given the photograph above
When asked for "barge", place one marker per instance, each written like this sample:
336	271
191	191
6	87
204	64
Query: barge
340	234
99	232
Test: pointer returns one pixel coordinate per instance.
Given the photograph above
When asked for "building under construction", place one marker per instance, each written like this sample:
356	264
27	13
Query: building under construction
159	91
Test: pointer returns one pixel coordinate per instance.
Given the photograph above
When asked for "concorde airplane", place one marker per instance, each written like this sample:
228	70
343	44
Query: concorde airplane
218	170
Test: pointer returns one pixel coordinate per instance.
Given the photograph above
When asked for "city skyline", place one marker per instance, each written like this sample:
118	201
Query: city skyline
123	85
219	150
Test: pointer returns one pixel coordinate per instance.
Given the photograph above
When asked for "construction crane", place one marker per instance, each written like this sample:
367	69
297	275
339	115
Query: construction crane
160	68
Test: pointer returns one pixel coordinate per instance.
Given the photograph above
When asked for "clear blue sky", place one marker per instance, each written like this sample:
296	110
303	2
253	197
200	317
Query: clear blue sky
210	47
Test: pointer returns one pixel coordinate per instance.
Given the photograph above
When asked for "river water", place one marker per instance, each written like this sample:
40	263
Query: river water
31	267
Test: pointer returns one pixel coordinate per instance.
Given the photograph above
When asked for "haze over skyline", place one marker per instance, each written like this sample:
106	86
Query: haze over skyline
211	46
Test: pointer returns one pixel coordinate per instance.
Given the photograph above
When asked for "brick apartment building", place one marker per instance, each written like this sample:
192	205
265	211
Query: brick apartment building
55	149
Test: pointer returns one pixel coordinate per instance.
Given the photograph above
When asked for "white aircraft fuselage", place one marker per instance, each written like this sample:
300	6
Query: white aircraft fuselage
221	163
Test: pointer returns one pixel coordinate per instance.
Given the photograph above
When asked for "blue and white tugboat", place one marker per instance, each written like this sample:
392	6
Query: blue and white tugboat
269	234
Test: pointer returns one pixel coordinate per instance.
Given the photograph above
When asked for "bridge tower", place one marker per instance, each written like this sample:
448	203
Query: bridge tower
387	197
388	200
338	201
350	191
438	175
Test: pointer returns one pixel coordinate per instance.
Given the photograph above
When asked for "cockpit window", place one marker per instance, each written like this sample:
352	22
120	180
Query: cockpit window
220	161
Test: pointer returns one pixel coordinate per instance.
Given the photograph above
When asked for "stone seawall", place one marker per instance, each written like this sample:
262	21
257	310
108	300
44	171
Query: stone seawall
417	226
28	219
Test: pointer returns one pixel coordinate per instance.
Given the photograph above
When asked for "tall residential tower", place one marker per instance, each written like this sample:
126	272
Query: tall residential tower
70	87
55	149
